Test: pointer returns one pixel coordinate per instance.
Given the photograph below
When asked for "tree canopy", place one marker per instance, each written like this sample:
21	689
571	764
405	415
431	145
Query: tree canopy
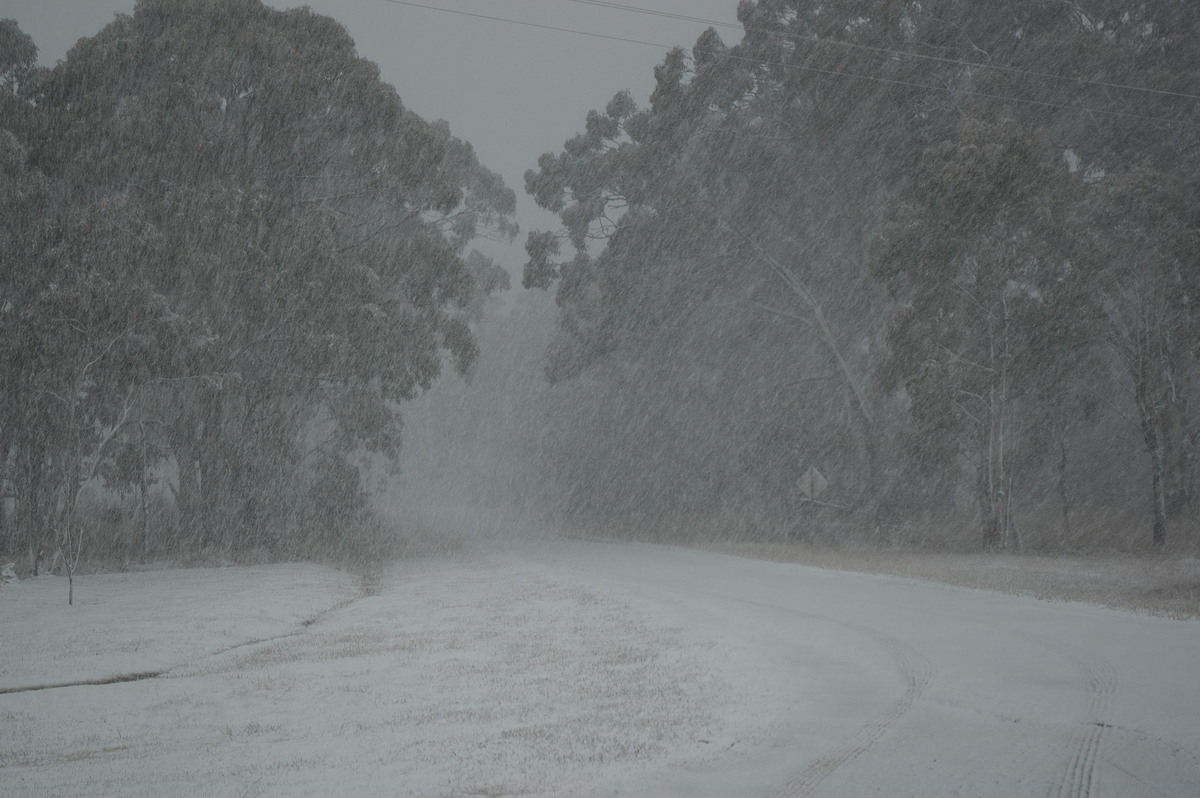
249	246
873	229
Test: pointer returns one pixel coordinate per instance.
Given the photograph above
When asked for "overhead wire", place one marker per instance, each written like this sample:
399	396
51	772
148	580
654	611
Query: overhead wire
655	13
812	39
799	67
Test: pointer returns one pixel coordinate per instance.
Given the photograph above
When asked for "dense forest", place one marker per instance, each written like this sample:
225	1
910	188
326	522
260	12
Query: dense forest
230	252
944	253
917	273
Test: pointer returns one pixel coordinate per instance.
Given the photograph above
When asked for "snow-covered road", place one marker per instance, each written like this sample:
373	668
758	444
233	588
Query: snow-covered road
892	687
586	668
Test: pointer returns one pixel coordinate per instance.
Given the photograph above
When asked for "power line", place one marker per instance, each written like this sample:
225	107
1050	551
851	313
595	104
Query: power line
653	13
882	50
799	67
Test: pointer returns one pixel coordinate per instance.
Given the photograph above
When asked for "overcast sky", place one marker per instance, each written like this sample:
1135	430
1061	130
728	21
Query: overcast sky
514	91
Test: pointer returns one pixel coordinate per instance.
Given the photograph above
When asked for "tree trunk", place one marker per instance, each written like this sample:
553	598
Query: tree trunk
30	507
195	442
143	488
1159	537
995	477
186	491
1153	438
1177	457
1064	495
989	509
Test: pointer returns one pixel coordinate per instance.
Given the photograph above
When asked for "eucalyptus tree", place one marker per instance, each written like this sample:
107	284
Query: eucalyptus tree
861	196
1029	242
1136	233
974	256
82	331
735	214
313	232
1138	239
24	194
95	336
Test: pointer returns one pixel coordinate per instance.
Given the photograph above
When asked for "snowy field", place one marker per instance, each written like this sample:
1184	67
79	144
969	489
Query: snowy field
473	676
590	669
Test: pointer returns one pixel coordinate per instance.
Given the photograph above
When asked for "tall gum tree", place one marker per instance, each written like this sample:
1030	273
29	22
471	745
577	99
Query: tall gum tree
722	249
1106	92
314	234
973	257
1138	239
24	232
741	201
749	190
83	329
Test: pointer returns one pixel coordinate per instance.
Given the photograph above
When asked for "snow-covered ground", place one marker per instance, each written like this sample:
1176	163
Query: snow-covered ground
591	669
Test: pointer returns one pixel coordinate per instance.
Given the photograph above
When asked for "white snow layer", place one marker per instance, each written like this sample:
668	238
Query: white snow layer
586	669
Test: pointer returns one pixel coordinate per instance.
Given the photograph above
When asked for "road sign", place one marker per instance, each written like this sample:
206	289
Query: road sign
812	484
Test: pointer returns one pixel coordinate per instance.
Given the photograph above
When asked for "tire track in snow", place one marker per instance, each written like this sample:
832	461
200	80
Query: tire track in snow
914	668
916	672
1169	756
1079	778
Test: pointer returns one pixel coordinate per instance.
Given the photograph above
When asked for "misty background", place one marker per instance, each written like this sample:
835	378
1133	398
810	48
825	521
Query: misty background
914	275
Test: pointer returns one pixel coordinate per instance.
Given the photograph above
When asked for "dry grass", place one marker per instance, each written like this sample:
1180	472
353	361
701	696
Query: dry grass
1106	559
1160	584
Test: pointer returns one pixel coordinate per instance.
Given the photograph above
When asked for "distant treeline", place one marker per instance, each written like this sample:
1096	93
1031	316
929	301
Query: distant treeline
947	253
228	253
